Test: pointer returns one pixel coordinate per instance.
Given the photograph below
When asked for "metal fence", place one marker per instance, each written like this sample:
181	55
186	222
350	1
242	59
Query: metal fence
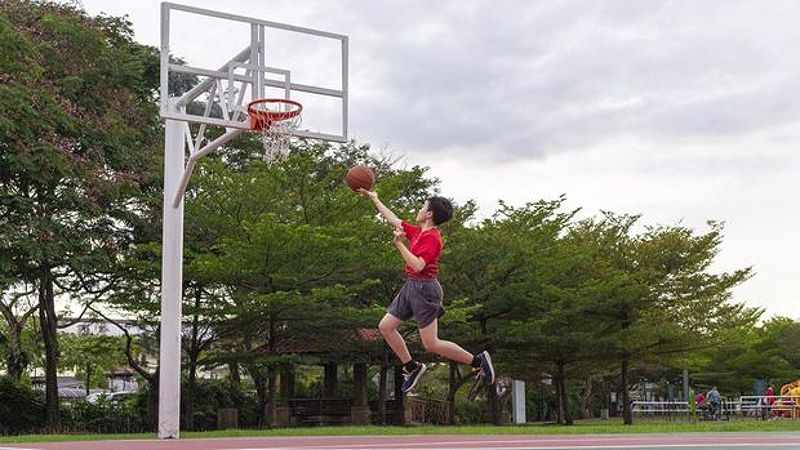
787	406
752	406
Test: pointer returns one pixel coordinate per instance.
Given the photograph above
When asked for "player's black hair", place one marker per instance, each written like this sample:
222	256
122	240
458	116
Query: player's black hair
441	208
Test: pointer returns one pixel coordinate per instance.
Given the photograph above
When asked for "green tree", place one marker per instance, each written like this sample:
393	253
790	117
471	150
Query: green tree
748	351
654	290
553	328
784	334
291	252
91	355
17	309
78	135
498	264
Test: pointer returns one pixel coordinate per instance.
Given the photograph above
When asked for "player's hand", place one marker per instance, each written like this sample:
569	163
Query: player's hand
399	236
371	194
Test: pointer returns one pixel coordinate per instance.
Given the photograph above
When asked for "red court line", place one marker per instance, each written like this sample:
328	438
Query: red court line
439	442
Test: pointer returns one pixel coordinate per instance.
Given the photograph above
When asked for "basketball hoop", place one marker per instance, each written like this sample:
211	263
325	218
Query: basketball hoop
275	119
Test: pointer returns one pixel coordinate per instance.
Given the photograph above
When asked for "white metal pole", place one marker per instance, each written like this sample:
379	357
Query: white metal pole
169	389
518	401
686	394
186	174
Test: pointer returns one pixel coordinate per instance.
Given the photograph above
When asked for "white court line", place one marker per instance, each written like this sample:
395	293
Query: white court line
579	447
534	444
16	448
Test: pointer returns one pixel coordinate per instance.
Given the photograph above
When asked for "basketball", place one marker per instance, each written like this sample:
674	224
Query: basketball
360	177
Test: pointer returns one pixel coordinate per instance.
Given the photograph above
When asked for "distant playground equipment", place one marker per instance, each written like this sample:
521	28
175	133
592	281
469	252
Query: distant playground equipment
784	404
787	405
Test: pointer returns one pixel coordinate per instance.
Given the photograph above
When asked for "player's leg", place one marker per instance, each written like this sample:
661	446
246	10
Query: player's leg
399	311
450	350
388	328
426	300
412	370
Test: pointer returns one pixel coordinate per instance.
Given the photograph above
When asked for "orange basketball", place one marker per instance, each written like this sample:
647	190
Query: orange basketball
360	177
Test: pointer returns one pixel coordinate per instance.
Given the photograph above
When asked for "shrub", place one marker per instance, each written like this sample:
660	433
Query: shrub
21	408
104	416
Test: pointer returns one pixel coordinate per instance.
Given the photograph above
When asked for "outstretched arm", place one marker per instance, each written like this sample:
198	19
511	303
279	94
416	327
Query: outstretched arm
415	262
385	212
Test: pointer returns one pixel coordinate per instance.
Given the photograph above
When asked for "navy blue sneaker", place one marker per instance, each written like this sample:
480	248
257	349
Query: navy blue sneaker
486	367
410	379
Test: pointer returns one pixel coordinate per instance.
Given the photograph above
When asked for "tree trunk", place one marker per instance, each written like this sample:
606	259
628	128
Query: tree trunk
261	391
17	359
456	382
398	414
89	373
233	375
493	404
382	380
559	404
272	418
191	385
586	397
564	400
330	380
360	384
286	385
152	401
452	388
491	391
627	416
49	321
191	369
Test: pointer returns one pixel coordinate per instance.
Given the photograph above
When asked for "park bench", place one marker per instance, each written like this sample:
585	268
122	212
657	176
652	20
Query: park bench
320	411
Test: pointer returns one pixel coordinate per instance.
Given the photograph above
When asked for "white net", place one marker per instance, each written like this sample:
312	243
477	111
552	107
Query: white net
276	138
276	134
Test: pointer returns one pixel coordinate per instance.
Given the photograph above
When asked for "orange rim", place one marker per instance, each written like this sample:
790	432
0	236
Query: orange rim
260	119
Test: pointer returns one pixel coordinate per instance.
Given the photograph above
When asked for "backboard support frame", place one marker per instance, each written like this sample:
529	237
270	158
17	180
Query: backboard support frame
253	57
226	89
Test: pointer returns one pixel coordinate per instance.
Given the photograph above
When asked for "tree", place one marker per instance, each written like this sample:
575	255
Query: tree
91	355
747	352
553	327
784	334
16	309
78	135
497	264
654	290
289	253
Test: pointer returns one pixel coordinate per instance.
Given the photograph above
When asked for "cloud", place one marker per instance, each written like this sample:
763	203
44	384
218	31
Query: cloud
542	80
680	110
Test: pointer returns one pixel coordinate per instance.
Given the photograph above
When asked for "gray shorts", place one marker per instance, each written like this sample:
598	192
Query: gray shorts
418	298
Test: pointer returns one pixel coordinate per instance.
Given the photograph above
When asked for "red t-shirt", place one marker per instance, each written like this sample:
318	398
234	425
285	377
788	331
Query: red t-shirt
425	244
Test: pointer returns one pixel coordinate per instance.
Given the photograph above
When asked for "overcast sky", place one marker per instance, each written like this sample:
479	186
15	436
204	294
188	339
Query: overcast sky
683	111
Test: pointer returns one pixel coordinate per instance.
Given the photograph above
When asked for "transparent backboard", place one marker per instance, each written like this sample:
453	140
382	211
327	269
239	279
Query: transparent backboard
214	63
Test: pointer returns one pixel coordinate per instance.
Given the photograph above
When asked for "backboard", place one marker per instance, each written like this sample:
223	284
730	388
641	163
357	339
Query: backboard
214	63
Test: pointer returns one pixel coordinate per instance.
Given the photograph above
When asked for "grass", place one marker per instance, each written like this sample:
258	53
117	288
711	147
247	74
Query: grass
580	427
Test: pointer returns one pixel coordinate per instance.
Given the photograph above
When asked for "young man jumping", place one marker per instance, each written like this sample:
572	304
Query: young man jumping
421	294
